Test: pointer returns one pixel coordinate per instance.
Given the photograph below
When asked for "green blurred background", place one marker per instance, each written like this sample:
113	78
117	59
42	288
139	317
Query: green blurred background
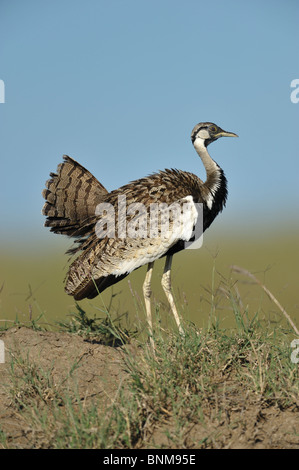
32	281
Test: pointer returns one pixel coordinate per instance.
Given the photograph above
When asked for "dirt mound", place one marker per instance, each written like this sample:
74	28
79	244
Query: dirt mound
92	371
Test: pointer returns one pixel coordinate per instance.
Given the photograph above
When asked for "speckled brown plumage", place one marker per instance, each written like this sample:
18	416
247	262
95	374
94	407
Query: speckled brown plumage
100	257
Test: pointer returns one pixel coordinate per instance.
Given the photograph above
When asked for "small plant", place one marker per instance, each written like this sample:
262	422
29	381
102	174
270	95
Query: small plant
32	323
105	330
31	383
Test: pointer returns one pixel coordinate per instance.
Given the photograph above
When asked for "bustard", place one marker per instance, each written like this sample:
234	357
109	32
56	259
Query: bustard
73	196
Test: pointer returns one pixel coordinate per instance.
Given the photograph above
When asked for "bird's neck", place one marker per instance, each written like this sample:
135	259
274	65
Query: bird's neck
209	164
215	191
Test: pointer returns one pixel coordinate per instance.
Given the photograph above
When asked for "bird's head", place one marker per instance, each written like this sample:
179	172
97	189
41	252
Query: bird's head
208	132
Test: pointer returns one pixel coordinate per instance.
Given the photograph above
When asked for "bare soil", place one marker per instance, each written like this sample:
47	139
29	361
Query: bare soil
100	371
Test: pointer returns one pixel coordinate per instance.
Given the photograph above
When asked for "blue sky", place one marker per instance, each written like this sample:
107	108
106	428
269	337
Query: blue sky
119	85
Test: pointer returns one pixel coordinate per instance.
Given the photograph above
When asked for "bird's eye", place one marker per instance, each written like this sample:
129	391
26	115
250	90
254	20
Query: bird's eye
213	128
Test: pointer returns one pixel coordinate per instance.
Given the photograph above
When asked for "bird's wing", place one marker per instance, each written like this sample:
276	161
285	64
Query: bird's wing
71	194
147	239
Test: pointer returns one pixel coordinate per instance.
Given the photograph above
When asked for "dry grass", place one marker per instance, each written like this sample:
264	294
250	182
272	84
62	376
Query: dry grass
213	388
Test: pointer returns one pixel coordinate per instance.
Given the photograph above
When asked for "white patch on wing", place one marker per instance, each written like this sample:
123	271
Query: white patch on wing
189	219
150	249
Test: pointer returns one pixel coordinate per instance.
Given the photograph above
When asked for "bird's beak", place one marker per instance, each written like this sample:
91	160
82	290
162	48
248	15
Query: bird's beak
223	133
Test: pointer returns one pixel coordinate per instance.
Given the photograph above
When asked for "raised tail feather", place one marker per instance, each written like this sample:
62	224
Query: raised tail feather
71	195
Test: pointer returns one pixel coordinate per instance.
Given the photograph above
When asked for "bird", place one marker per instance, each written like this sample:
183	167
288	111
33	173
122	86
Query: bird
79	206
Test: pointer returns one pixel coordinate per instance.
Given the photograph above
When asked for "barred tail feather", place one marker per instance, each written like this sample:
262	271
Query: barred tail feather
71	194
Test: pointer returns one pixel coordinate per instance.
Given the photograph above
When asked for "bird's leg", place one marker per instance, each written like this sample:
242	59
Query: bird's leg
166	284
147	291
